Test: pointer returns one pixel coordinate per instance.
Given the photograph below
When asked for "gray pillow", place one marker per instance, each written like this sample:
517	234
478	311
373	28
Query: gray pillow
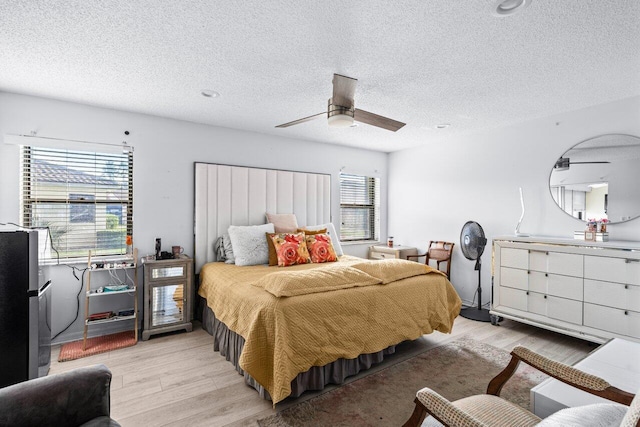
218	248
228	249
249	244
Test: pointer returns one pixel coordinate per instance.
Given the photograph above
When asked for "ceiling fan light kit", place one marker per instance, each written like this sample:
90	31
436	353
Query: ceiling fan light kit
338	116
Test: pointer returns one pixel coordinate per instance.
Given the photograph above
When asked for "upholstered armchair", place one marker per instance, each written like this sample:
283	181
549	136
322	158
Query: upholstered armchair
75	398
491	410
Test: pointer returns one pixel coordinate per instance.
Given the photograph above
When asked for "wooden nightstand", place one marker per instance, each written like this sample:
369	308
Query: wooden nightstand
385	252
168	295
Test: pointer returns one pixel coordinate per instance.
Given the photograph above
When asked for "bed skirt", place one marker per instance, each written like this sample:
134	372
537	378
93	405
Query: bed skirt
230	345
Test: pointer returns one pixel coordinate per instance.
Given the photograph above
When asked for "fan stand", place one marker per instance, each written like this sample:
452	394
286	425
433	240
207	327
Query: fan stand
477	313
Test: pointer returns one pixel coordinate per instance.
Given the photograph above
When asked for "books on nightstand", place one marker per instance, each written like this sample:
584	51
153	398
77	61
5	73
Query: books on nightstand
591	236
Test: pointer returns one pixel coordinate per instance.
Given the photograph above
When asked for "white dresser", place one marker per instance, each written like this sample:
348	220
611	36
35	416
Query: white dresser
589	290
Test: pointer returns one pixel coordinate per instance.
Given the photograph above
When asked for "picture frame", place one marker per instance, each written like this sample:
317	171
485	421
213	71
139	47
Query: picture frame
590	236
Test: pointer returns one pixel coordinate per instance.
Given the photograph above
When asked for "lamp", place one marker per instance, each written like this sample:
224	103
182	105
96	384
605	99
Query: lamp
339	116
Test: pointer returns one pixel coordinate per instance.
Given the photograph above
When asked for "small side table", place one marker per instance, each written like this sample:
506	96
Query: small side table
386	252
168	289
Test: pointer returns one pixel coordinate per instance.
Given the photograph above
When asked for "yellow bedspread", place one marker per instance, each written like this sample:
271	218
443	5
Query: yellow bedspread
285	336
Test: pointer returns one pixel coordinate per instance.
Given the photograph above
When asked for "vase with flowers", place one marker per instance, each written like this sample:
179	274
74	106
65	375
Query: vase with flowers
603	225
592	225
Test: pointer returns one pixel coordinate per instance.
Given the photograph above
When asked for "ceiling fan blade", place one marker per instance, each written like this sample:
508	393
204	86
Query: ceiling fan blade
306	119
376	120
344	89
587	163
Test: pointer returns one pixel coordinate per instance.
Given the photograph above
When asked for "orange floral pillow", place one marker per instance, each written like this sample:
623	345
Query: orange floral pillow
320	248
291	249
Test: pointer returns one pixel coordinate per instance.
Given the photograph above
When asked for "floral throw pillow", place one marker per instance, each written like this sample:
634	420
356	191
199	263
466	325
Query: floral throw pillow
291	249
320	248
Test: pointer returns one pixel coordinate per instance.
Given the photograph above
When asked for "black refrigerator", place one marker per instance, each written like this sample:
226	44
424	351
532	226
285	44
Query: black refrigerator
25	307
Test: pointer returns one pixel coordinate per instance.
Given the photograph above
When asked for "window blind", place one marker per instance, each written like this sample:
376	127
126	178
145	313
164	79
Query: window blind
85	199
359	207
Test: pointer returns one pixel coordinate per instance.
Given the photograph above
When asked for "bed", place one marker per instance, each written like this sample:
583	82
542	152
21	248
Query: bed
286	335
297	328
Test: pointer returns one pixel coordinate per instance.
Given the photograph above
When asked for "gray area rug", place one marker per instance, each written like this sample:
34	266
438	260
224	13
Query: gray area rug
458	369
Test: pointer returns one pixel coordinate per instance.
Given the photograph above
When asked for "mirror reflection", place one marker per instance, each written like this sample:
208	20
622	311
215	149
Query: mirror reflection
167	304
599	179
161	272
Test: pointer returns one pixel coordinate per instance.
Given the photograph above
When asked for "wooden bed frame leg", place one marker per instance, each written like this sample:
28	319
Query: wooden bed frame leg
496	384
418	416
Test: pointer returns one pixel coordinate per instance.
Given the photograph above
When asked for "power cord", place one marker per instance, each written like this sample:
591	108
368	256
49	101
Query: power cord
50	239
77	299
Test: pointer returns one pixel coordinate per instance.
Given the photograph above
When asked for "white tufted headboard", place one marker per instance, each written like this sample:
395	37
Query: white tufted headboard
235	195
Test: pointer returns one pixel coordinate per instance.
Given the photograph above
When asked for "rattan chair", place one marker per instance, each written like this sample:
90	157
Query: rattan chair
491	410
439	252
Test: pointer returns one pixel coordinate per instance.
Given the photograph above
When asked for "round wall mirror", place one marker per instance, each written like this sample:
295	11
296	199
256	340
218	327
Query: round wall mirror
599	179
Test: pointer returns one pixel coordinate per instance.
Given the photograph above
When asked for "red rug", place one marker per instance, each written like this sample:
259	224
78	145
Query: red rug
73	350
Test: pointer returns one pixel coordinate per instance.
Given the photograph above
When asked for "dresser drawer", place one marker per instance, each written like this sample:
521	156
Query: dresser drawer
385	252
514	278
556	262
556	285
620	270
513	298
618	295
564	309
555	308
623	322
381	255
516	258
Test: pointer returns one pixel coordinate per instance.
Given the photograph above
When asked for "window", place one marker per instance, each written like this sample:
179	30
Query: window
84	198
359	207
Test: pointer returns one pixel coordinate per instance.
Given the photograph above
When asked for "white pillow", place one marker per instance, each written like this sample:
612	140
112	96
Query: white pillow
250	244
595	415
331	231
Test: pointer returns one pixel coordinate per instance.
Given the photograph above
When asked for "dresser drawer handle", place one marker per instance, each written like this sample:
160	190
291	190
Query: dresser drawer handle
626	313
527	292
545	297
546	274
628	261
626	286
533	250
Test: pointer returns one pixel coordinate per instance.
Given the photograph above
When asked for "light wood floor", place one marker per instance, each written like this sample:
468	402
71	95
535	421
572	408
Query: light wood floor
178	379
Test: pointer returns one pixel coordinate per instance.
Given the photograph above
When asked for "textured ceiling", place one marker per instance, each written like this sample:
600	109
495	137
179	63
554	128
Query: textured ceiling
419	62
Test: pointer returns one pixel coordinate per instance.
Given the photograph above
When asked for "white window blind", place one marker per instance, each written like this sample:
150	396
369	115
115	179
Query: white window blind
84	198
359	207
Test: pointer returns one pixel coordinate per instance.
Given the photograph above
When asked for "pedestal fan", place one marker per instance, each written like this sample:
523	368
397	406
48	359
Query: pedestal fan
472	242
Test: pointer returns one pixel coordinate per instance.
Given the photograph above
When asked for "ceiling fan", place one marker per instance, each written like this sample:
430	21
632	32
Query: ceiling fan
341	111
563	163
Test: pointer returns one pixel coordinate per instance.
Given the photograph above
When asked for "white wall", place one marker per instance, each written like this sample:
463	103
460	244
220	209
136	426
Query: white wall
435	189
165	152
